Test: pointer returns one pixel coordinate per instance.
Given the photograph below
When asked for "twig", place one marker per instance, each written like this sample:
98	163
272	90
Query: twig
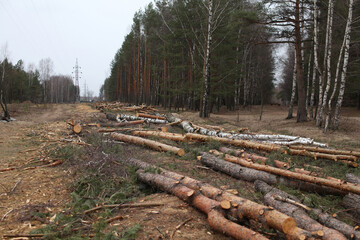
17	183
114	219
288	200
2	219
161	232
133	205
202	167
23	235
179	226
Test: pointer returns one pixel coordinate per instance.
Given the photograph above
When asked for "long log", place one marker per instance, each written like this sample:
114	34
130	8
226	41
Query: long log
143	115
342	186
327	150
350	160
120	117
244	207
149	143
166	135
275	139
233	170
302	218
242	153
210	207
352	201
122	124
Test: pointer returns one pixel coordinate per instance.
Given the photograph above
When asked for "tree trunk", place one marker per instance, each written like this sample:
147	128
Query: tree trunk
293	93
301	111
328	63
302	218
204	111
149	143
308	84
166	135
122	124
345	64
327	150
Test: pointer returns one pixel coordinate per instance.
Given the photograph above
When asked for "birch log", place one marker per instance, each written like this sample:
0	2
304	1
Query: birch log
302	218
166	135
120	117
149	143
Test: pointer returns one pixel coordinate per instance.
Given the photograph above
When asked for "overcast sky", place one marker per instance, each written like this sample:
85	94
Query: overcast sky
63	30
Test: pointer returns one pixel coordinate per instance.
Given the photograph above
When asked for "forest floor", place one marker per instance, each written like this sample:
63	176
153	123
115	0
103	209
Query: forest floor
34	196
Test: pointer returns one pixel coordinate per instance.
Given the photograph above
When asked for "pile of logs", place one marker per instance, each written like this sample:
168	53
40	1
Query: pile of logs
263	138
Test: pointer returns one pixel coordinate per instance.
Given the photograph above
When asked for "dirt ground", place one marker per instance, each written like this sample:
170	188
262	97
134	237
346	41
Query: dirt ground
24	142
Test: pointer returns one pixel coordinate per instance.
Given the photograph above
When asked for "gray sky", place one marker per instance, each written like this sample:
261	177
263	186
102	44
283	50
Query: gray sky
63	30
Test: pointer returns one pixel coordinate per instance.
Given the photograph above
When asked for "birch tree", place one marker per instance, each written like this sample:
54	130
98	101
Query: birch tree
345	65
3	102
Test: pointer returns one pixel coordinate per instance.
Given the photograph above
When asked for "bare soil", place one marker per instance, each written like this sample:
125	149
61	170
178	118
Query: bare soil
46	189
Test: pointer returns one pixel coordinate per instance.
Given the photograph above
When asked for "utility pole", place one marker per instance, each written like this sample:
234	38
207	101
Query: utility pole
77	85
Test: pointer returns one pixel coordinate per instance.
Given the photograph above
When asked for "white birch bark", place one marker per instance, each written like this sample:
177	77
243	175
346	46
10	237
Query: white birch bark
335	86
308	84
204	112
345	64
327	66
316	69
122	117
293	92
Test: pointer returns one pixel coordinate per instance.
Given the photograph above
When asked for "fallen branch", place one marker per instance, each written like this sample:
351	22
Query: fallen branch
149	143
23	235
7	213
14	187
129	205
179	226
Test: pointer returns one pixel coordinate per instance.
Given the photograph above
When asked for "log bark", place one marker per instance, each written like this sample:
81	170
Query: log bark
244	207
120	117
327	150
210	207
264	138
340	185
236	170
149	143
352	201
302	218
143	115
122	124
232	169
166	135
242	153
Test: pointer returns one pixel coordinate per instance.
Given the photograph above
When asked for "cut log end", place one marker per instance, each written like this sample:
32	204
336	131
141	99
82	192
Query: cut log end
198	158
225	204
77	128
288	225
181	152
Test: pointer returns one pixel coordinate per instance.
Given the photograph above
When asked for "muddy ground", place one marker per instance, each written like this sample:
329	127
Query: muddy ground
27	142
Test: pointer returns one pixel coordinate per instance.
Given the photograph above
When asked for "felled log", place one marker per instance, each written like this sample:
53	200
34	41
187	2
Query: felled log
149	116
350	160
131	118
327	150
302	218
233	170
340	185
244	207
94	125
216	218
166	135
149	143
76	128
122	124
242	153
274	139
352	201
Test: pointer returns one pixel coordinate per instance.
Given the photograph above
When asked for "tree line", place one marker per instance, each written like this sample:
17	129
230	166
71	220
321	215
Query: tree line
35	84
202	54
198	55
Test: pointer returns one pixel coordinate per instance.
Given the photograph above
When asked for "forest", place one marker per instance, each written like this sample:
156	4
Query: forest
35	84
201	55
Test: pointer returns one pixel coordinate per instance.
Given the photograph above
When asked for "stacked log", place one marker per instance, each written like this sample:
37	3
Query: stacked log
302	218
251	175
264	138
166	135
237	207
352	201
149	143
340	185
124	117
